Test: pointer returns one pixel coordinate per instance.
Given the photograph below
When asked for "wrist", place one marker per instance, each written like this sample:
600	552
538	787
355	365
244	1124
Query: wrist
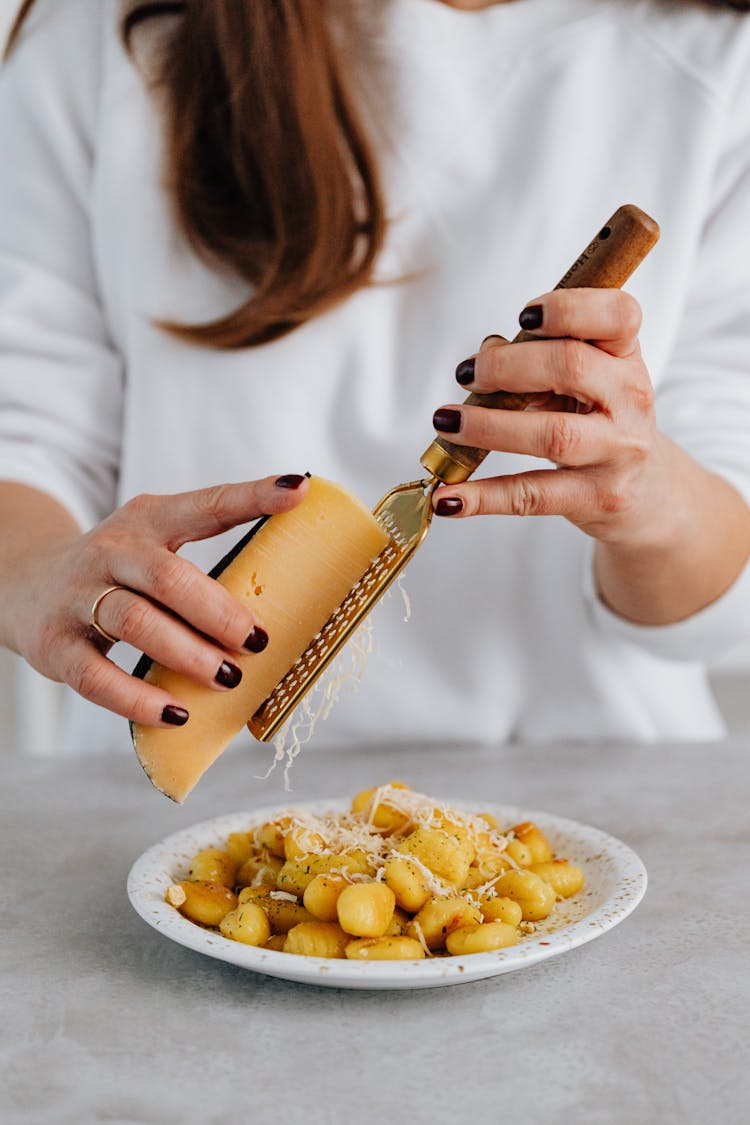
659	515
34	529
688	550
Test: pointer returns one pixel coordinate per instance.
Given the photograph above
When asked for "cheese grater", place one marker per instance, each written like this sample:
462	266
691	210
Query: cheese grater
406	511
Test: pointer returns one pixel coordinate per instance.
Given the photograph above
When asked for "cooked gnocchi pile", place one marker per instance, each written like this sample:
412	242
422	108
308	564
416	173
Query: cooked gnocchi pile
399	876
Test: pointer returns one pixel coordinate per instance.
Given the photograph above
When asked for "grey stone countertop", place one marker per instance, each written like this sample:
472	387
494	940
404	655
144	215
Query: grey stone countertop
105	1020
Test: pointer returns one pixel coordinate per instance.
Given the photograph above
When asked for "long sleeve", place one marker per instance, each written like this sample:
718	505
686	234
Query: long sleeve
703	400
61	382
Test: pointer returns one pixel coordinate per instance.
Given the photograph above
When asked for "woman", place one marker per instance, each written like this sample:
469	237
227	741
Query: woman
240	239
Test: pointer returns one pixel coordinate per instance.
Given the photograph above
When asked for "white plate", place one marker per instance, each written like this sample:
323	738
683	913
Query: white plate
615	884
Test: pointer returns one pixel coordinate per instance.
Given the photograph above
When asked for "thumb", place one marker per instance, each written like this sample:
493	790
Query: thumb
188	516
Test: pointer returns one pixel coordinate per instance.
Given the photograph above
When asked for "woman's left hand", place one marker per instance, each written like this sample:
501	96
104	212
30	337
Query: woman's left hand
613	478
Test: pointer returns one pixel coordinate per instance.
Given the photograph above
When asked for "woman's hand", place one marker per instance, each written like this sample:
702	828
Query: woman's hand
672	536
168	608
609	454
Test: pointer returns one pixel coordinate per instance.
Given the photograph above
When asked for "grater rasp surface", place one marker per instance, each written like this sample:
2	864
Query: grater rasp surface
404	513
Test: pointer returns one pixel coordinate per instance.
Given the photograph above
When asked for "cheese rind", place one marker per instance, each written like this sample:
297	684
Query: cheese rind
295	569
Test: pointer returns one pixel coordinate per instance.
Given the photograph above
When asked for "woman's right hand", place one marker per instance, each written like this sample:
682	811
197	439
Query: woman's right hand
168	608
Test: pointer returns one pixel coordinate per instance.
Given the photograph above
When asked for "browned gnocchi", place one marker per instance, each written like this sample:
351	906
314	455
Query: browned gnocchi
399	876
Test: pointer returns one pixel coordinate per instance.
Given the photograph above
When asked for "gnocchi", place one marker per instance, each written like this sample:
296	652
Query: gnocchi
399	876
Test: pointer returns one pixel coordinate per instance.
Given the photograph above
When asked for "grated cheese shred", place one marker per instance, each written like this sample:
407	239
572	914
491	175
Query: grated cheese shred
448	849
421	938
405	598
436	885
345	671
336	834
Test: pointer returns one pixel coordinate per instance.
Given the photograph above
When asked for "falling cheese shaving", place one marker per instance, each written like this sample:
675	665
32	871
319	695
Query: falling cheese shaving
405	598
345	671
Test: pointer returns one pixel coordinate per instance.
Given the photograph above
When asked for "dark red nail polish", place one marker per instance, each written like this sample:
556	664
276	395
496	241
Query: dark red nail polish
449	506
465	372
447	421
290	481
531	317
175	716
257	639
229	675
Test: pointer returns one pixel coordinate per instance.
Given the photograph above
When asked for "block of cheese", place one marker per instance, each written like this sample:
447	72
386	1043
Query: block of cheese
294	568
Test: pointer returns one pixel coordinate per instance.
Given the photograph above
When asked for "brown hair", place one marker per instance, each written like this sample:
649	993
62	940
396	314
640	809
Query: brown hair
271	171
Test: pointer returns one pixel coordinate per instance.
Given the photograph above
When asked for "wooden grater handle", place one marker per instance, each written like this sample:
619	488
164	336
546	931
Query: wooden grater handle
606	263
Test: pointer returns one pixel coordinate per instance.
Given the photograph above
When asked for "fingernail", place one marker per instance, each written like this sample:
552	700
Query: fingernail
229	675
447	421
257	639
449	506
465	372
290	481
175	716
531	317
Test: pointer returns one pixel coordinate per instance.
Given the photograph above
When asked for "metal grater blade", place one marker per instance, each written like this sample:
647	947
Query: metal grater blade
405	513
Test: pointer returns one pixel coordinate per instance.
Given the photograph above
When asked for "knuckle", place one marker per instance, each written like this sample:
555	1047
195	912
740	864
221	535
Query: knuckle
525	498
491	365
231	621
565	303
561	438
47	643
132	622
641	394
638	448
165	577
628	313
213	502
139	506
87	677
199	663
145	705
614	499
575	356
474	502
95	550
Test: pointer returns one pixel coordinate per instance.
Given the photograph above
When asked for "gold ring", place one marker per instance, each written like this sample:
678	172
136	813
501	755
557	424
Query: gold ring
95	609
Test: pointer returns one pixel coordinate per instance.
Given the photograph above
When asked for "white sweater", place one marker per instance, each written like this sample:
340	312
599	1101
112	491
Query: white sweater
507	136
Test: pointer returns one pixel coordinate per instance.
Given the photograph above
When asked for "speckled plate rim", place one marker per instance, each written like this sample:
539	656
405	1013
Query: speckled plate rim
615	883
